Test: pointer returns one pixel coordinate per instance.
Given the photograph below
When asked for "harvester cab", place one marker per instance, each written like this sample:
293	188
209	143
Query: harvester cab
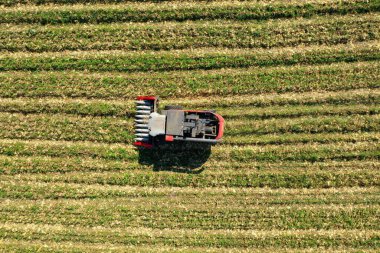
174	124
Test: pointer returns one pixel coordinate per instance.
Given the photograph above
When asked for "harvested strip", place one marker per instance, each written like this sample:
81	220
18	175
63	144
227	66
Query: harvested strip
294	152
37	164
82	107
188	60
277	179
57	127
66	148
119	151
96	107
195	198
181	11
300	138
41	246
57	2
320	31
127	109
21	189
122	214
124	152
365	96
192	237
260	162
298	111
185	200
308	124
48	247
197	83
192	201
111	130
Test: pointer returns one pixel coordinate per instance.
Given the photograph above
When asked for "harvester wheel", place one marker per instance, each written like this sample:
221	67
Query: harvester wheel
173	107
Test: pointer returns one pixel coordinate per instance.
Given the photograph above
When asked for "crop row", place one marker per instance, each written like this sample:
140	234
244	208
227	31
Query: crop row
298	111
122	152
62	2
240	161
121	214
358	101
180	12
294	138
188	60
106	129
195	35
57	127
285	178
11	245
308	124
291	152
223	238
342	97
331	77
47	247
127	109
16	188
193	199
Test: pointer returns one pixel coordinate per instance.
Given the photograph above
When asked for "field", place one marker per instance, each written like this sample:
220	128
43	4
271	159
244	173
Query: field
298	83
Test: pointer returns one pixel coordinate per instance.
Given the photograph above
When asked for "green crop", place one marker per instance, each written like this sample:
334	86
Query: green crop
148	12
188	60
320	31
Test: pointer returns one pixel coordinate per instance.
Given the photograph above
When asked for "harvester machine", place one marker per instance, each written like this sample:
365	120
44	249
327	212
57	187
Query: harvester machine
173	124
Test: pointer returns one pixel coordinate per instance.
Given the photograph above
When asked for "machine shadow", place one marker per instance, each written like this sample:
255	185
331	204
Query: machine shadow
181	157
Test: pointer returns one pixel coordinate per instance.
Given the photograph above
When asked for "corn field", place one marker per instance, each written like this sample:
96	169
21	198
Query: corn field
298	83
